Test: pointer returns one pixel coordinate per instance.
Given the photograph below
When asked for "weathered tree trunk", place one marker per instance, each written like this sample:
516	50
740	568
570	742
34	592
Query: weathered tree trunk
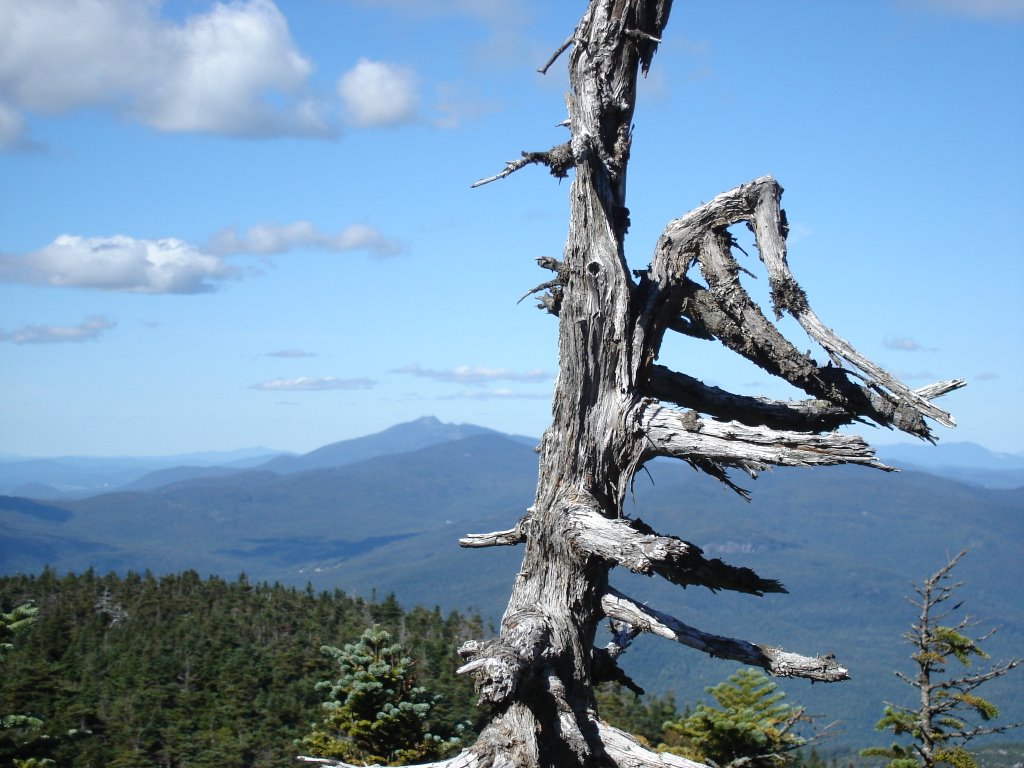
610	415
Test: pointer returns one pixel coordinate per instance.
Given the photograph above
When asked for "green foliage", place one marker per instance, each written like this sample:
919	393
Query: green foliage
751	725
182	671
375	712
948	714
20	735
14	622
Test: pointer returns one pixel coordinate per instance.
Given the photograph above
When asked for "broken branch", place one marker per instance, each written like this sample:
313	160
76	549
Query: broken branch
775	661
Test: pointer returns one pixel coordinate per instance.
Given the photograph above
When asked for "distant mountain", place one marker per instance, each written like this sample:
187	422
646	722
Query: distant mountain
401	438
81	476
847	542
965	462
161	477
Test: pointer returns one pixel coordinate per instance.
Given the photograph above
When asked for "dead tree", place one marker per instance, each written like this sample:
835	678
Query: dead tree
614	408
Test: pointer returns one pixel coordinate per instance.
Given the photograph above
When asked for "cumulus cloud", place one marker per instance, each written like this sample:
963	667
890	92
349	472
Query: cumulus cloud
291	353
89	329
118	263
266	239
232	69
170	265
991	10
310	384
376	93
468	374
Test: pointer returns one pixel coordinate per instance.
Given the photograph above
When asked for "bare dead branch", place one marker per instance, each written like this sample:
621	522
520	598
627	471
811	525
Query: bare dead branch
559	161
775	661
542	287
770	228
507	538
624	750
729	314
634	545
465	759
685	435
940	388
554	57
801	416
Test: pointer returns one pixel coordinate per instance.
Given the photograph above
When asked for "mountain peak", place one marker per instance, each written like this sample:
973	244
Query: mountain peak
401	438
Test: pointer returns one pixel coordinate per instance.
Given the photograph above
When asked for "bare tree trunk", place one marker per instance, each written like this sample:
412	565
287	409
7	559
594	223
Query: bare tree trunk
613	409
608	416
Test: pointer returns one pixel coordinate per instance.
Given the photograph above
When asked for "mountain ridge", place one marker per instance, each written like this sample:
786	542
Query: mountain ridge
846	541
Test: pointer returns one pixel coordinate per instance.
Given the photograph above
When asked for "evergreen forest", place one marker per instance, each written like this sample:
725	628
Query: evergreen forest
173	671
176	671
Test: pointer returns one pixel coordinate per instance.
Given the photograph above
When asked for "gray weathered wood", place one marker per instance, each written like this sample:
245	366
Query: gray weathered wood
612	410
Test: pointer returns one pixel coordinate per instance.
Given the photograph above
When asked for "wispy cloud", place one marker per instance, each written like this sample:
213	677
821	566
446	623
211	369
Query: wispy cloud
987	376
310	384
13	136
376	93
90	328
232	69
504	23
495	394
291	353
990	10
905	344
267	239
468	374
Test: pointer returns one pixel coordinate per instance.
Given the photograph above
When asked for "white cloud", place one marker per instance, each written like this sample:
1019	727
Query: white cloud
232	69
376	93
118	263
467	374
266	239
89	329
309	384
170	265
993	10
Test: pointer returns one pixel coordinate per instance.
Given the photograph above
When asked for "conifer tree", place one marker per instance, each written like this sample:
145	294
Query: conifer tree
375	712
19	733
751	726
948	714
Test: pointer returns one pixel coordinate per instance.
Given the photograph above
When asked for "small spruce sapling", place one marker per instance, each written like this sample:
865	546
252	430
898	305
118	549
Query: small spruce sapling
375	712
948	714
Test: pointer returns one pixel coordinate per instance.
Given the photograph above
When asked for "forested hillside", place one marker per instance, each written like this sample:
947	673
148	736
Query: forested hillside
180	670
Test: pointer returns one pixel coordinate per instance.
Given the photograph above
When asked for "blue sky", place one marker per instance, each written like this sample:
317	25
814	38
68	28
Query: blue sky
250	223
